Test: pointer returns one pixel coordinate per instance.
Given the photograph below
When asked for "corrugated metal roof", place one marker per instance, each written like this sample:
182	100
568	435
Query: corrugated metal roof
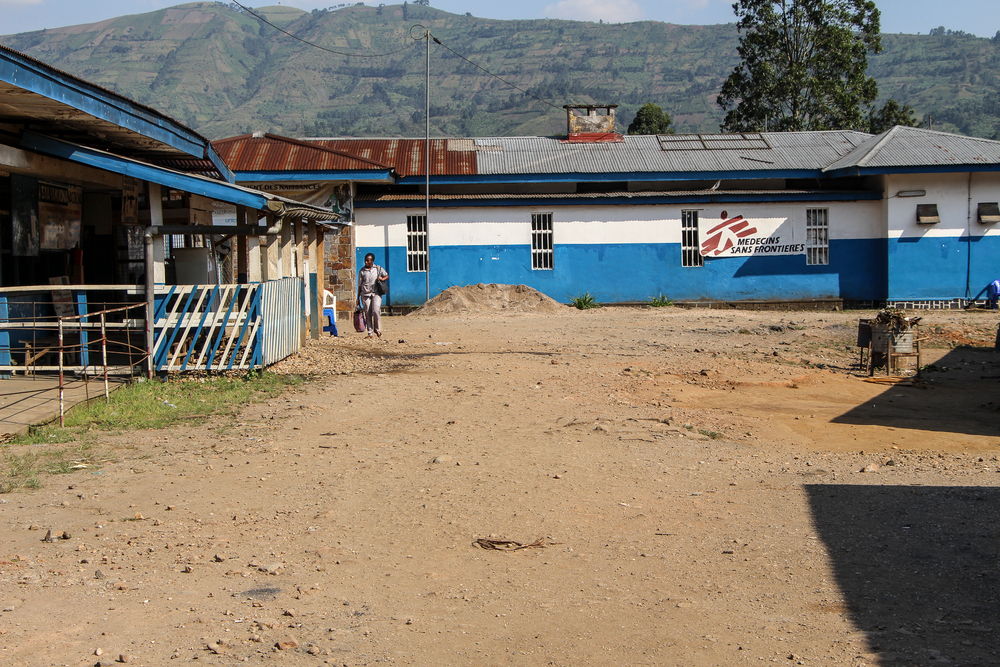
270	152
918	147
660	194
638	154
449	157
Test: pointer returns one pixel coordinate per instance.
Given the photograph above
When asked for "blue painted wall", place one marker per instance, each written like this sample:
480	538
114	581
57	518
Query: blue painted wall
933	268
638	272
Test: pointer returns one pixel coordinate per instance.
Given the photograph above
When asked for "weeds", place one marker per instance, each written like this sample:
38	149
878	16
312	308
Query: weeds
661	301
138	406
584	301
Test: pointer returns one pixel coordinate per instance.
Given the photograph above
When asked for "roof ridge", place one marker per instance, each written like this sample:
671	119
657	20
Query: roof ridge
877	146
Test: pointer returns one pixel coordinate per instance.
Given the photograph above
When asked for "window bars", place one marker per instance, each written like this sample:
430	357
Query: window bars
416	243
542	254
690	247
817	236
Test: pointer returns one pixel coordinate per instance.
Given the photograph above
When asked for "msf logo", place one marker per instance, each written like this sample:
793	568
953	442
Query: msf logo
724	236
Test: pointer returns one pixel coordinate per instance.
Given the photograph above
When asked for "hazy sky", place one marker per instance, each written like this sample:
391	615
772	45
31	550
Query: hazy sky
980	17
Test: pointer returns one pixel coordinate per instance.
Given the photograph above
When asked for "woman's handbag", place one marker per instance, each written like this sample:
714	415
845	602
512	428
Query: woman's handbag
380	287
359	319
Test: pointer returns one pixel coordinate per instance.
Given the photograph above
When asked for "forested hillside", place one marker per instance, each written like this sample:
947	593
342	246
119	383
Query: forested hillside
223	72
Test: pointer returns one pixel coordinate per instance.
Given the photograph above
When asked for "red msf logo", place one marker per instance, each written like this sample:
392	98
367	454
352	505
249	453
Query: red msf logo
723	236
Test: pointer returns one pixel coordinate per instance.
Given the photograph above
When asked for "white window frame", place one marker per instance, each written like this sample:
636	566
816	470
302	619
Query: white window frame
542	242
690	244
416	244
817	236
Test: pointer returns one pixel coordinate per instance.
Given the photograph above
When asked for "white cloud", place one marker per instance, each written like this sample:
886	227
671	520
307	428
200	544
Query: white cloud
611	11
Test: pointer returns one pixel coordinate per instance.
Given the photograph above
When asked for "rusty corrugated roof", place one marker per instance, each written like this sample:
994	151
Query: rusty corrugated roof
271	152
449	157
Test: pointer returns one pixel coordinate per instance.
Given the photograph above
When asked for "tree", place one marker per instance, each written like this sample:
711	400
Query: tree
803	65
892	113
651	119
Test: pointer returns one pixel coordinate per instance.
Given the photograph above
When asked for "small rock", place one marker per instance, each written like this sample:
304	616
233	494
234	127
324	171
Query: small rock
443	458
286	644
98	574
288	612
871	467
48	536
124	658
272	568
187	569
217	558
313	650
98	652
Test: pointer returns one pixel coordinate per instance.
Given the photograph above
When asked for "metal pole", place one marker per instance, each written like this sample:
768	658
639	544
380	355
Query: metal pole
62	388
104	355
427	160
149	305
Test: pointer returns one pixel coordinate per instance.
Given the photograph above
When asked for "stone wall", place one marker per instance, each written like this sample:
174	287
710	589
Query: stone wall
340	271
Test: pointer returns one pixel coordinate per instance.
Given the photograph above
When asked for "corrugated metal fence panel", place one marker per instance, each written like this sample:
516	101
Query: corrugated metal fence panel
282	321
207	327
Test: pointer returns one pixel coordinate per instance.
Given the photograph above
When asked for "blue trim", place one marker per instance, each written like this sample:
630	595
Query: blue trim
239	342
856	272
201	325
629	201
164	351
161	309
216	190
257	357
81	309
4	338
228	174
328	175
934	169
222	330
60	87
616	176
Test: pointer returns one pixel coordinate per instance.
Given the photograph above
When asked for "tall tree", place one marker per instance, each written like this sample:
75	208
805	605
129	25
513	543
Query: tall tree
651	119
891	114
803	65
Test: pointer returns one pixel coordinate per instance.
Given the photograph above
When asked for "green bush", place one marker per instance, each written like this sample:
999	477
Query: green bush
660	301
585	301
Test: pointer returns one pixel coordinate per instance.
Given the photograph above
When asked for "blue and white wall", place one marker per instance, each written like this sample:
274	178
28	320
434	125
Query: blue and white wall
954	258
627	252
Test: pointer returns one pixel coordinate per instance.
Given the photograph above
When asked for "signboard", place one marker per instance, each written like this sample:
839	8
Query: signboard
131	188
24	215
60	208
736	236
336	196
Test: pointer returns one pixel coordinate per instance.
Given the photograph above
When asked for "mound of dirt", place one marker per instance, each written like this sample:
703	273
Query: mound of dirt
490	299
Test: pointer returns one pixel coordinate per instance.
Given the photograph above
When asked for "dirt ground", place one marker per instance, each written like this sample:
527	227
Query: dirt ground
698	487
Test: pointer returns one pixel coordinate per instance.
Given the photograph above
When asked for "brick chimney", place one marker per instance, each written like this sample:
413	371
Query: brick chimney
591	123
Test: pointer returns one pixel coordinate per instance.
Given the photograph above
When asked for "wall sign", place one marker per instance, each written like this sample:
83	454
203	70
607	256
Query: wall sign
736	236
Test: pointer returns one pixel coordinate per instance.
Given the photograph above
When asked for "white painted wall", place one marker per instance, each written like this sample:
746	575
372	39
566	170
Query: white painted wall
511	225
956	196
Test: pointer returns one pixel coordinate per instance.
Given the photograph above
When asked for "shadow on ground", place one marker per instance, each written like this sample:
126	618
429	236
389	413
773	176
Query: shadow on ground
918	568
961	394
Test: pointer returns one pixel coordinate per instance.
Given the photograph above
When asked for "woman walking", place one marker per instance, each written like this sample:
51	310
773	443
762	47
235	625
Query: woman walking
371	287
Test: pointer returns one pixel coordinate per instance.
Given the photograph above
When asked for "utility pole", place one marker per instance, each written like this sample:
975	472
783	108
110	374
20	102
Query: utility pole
427	161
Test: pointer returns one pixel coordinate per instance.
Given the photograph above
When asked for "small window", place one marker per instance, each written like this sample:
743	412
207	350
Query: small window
690	247
416	243
927	214
817	236
542	256
988	212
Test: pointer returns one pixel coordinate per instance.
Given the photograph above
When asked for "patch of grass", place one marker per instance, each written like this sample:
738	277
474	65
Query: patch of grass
713	435
584	301
661	301
138	406
22	470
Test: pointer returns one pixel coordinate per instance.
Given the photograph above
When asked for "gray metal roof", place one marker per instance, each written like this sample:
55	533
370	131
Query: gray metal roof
917	147
767	151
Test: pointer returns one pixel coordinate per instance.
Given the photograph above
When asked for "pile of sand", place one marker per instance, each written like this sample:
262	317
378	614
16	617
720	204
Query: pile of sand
490	299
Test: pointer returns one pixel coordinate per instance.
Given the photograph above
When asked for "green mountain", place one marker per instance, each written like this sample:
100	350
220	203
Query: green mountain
223	72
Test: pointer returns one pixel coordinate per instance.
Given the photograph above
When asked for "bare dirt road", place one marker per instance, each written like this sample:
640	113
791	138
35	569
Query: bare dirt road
700	487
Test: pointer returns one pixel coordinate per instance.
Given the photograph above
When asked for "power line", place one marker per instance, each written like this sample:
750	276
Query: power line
486	71
313	44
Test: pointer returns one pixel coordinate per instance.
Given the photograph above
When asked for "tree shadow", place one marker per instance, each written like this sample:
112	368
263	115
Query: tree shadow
917	567
960	394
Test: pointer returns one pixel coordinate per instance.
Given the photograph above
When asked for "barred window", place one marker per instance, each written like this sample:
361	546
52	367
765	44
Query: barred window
690	247
542	256
416	243
817	236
